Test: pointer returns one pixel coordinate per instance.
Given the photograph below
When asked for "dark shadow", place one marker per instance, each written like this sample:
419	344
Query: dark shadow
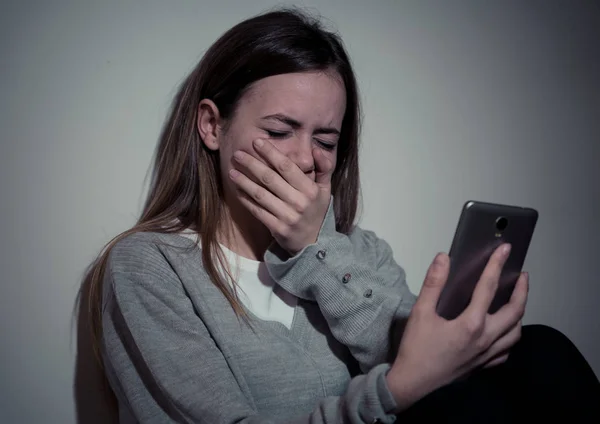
95	402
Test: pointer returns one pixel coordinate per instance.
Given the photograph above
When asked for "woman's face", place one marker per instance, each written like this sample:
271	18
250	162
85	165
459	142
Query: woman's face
296	112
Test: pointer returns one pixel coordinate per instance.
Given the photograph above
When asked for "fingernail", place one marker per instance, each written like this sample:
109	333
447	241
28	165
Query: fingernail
259	142
234	173
506	250
438	261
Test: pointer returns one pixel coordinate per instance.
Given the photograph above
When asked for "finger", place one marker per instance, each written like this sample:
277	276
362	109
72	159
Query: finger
469	268
511	313
502	345
267	218
485	290
436	277
498	360
520	292
261	197
261	174
323	168
283	165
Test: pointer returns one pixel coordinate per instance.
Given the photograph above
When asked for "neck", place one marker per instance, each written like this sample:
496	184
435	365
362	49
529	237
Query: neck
242	233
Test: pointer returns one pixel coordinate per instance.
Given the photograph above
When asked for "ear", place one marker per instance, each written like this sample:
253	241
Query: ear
207	122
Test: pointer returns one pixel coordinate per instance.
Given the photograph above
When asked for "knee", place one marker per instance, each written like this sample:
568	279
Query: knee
545	352
544	332
546	338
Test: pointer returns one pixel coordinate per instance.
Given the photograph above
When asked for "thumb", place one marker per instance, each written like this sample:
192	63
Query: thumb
323	168
436	277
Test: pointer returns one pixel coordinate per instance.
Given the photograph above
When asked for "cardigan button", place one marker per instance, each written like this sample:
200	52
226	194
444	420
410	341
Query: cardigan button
321	254
346	278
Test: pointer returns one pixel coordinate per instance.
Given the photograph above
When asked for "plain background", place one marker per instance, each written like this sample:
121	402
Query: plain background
495	101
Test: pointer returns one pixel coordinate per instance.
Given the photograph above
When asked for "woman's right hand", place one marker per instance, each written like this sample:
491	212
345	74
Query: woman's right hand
435	351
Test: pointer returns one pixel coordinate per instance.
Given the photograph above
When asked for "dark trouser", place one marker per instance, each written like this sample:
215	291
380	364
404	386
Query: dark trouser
544	378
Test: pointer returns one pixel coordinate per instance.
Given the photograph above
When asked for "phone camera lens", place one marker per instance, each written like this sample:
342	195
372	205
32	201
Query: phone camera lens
501	223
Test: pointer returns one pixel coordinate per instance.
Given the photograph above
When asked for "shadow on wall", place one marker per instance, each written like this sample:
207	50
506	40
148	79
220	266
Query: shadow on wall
95	402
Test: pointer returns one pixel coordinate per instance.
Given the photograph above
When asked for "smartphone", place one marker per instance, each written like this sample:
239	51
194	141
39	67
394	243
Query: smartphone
482	227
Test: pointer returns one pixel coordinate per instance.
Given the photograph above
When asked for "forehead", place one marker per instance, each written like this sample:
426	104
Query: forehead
304	96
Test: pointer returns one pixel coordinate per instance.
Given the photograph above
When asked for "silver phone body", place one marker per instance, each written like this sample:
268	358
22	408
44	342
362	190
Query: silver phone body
477	235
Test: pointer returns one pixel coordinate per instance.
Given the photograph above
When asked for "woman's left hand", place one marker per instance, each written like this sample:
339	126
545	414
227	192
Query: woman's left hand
281	196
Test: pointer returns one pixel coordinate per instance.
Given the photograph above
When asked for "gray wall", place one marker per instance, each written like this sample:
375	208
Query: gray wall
463	100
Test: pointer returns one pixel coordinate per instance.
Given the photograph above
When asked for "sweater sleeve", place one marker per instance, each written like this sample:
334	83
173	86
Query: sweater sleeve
164	366
360	289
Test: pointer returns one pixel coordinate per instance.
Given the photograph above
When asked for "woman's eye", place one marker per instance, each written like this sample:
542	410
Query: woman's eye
277	134
284	134
325	145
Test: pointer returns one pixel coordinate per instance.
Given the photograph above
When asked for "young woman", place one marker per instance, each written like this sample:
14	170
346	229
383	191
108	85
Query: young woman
246	294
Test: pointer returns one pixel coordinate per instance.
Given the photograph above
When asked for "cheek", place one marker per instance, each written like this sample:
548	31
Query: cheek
332	156
232	143
285	147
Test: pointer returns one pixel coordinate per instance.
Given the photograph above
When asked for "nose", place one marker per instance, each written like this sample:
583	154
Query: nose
302	155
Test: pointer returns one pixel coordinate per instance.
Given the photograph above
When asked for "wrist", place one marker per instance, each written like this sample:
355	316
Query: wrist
404	387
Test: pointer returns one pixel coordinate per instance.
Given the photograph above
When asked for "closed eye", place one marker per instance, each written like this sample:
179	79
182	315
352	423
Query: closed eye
325	145
277	134
284	134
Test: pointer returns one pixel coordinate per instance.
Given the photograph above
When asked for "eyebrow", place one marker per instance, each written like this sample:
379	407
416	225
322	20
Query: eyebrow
297	124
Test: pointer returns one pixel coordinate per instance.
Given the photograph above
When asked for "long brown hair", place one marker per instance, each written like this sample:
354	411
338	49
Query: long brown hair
186	188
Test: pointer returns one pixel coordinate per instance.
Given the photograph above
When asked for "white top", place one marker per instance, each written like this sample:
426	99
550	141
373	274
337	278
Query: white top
257	290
